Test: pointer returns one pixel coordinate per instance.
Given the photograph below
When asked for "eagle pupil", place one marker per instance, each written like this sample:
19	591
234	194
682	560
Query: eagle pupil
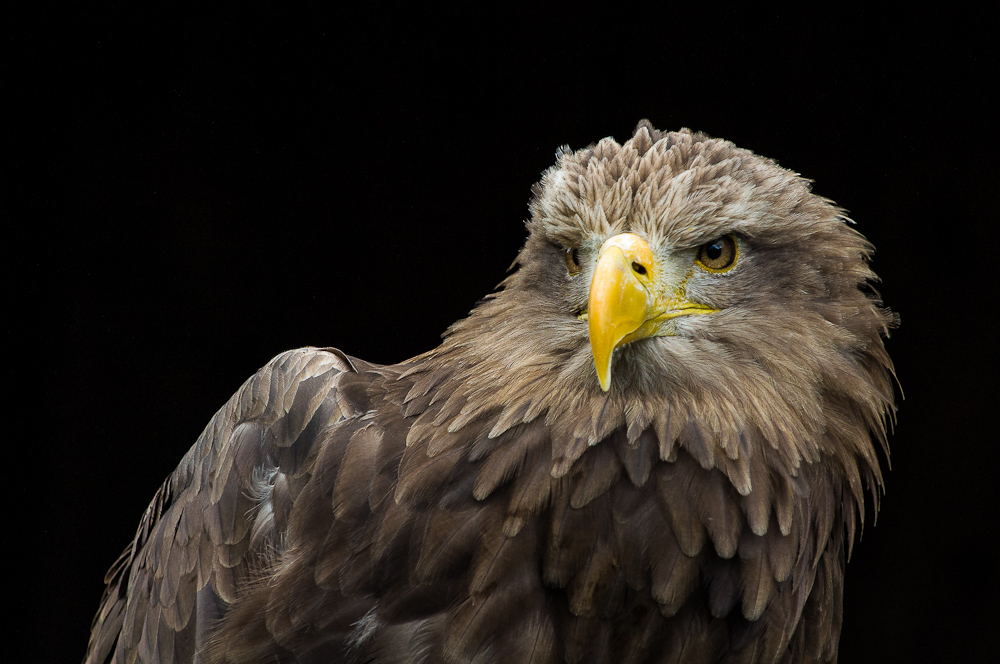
714	250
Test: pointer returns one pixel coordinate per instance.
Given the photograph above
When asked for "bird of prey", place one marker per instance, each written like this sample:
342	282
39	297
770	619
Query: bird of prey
652	443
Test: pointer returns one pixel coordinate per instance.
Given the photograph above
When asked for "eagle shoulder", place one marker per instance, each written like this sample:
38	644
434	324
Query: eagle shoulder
214	519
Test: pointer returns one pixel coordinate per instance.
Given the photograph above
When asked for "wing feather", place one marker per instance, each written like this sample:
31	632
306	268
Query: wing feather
195	535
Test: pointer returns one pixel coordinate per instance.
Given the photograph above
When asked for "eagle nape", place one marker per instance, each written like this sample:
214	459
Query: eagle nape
652	444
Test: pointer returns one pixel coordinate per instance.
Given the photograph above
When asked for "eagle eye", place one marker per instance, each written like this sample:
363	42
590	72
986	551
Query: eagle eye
719	255
572	261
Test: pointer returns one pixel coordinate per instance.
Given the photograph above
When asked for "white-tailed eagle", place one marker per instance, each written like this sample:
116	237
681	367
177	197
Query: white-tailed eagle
651	444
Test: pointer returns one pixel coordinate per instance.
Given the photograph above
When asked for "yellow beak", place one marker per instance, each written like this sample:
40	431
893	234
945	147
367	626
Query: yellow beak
627	302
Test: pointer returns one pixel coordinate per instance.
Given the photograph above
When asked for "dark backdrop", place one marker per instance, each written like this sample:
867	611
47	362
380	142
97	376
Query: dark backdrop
189	195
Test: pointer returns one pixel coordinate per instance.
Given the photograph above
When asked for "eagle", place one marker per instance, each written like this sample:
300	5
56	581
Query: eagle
652	443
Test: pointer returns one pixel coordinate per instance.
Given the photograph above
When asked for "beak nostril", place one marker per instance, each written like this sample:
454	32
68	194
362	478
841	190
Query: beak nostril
638	268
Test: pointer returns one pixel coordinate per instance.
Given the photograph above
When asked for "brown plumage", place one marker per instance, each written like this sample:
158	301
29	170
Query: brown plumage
488	501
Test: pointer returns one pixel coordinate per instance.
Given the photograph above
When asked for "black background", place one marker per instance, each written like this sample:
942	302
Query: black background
189	195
